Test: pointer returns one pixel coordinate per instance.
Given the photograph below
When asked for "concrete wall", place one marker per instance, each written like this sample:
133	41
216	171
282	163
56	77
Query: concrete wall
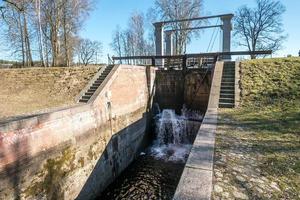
76	152
174	88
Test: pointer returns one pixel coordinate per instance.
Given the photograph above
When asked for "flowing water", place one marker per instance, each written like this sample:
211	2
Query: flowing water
155	174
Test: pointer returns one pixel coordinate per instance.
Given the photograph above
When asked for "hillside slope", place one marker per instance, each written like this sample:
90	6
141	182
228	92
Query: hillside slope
258	144
24	91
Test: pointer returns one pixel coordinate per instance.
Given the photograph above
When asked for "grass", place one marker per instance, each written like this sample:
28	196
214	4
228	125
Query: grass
28	90
267	124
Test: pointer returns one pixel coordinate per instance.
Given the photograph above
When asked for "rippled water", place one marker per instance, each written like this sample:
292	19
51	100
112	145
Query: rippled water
146	178
155	175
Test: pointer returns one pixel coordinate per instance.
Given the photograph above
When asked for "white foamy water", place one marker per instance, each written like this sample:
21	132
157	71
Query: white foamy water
172	142
171	152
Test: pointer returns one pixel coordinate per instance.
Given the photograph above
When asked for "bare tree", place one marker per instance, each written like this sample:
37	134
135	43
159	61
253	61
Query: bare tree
116	41
260	28
39	31
179	9
47	27
132	42
15	15
89	51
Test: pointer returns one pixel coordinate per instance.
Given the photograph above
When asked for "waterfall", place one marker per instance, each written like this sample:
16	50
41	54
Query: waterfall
172	143
170	128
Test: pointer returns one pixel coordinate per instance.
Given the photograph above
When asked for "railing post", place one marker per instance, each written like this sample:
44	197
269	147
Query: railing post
184	59
153	61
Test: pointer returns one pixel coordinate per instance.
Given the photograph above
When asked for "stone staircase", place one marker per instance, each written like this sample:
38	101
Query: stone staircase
96	84
227	92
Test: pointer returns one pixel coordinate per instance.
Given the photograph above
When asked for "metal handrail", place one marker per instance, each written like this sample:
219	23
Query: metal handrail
213	54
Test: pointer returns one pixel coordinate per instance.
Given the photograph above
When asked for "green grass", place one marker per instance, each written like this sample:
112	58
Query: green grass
269	120
266	81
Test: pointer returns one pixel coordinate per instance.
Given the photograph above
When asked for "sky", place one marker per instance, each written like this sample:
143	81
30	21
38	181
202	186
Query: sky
107	14
110	13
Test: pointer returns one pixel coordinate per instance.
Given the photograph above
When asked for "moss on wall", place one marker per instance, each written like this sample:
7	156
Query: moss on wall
52	174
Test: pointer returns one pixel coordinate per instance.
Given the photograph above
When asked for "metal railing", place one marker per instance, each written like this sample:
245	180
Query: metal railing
199	60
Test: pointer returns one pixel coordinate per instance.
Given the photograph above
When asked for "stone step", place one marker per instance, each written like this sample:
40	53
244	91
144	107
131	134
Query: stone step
96	84
228	76
226	100
228	79
94	87
228	69
226	105
98	81
86	97
83	101
89	93
227	90
229	63
225	87
227	84
226	95
232	73
228	73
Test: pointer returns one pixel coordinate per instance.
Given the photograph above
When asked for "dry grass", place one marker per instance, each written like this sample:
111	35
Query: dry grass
30	90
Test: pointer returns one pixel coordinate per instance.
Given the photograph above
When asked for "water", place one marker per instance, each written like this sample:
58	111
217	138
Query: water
174	137
146	178
156	172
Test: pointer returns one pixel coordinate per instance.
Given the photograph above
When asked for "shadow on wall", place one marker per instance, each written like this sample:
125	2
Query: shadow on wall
176	88
120	151
13	171
50	166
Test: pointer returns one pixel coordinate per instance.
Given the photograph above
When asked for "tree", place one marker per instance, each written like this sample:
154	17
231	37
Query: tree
260	28
116	42
89	51
179	9
15	15
131	41
47	28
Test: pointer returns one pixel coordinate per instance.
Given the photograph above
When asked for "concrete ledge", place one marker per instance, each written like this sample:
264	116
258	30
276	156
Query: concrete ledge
196	179
237	90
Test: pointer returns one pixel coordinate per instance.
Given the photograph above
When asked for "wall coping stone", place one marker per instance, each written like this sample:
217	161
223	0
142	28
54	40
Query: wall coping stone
196	180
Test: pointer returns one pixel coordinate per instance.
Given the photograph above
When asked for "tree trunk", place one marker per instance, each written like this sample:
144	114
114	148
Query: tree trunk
66	46
40	36
22	39
27	42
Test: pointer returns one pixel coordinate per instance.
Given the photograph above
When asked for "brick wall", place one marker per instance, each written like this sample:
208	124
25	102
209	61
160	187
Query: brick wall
79	150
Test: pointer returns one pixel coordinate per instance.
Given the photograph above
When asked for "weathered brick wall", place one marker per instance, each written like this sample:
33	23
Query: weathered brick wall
197	90
173	89
79	150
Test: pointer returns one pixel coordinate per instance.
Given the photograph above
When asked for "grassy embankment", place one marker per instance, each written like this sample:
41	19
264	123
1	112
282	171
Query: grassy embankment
258	144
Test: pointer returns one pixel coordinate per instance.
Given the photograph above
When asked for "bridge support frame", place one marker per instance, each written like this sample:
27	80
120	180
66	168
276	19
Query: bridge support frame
159	41
227	28
159	34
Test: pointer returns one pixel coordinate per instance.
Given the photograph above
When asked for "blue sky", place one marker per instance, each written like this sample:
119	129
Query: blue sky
110	13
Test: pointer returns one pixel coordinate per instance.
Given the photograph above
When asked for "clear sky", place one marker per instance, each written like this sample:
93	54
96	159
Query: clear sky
110	13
